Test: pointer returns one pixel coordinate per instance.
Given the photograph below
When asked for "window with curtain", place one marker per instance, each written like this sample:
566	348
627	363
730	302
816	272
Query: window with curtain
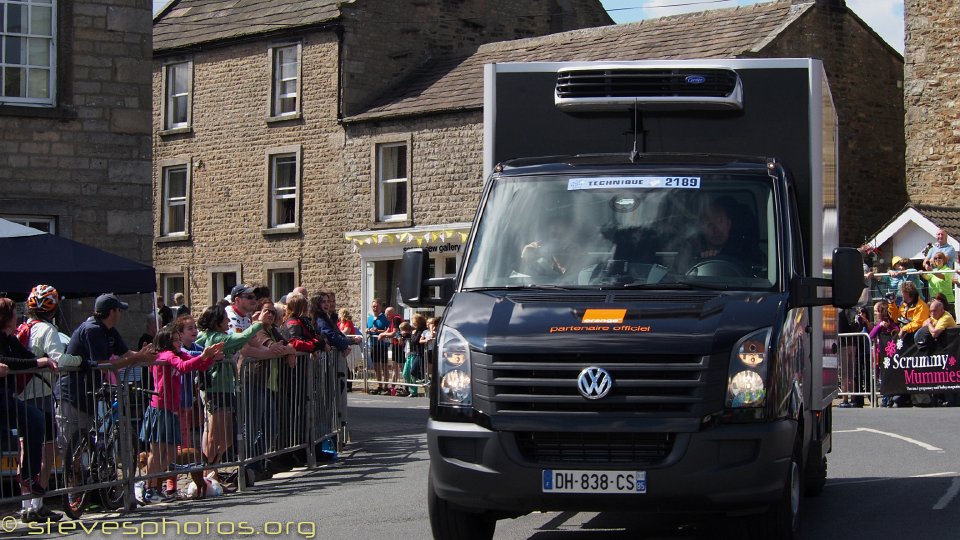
174	208
283	190
286	73
178	82
392	182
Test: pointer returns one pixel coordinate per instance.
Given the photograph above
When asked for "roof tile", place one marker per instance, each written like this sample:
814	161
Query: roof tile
457	83
192	22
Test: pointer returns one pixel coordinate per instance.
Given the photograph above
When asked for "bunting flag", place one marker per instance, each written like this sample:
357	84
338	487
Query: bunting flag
359	240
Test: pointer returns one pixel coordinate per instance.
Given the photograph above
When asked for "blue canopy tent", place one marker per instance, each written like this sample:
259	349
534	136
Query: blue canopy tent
29	257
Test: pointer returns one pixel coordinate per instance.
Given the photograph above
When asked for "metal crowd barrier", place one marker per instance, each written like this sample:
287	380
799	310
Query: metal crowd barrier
74	422
91	448
857	361
382	363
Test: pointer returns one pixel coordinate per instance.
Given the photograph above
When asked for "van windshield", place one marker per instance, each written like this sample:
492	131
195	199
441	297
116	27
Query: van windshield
711	230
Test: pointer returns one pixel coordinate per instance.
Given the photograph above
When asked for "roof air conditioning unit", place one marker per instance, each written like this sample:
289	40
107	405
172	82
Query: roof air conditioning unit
650	88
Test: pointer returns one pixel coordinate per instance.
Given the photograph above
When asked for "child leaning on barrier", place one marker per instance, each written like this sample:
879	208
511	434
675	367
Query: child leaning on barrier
220	383
429	342
411	334
161	426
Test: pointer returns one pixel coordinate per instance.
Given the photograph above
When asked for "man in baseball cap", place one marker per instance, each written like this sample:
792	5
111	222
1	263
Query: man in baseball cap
107	302
95	341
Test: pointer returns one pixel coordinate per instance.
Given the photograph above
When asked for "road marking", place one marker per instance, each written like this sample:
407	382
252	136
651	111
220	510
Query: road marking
839	482
921	444
949	495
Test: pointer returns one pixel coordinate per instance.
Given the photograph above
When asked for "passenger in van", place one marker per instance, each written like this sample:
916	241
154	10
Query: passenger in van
558	253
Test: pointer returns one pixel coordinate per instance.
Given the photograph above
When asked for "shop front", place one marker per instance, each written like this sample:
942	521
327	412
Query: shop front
381	252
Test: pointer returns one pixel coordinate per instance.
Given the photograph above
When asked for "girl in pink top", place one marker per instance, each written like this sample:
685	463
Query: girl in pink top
161	427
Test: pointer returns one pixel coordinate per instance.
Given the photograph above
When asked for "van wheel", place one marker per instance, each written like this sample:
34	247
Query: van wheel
782	520
448	522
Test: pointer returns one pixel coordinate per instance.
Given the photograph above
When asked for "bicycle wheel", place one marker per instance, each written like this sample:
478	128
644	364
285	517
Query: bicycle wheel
106	459
76	469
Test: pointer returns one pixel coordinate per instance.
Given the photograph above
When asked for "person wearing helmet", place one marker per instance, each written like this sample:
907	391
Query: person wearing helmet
40	335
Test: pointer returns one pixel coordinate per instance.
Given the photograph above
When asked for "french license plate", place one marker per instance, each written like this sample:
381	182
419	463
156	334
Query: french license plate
560	481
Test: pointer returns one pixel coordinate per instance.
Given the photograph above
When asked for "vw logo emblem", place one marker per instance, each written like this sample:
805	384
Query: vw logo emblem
594	382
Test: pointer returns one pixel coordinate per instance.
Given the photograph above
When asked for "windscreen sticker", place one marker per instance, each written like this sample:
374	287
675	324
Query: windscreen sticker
641	182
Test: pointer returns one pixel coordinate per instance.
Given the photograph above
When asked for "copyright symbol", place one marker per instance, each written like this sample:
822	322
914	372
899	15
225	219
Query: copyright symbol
8	524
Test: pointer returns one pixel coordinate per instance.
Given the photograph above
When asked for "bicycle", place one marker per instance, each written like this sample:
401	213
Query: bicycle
94	457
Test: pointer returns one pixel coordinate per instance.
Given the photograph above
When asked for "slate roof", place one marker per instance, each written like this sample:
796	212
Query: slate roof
452	84
187	23
946	217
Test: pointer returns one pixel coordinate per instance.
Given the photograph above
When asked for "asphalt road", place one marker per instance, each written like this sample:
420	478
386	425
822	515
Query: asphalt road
894	473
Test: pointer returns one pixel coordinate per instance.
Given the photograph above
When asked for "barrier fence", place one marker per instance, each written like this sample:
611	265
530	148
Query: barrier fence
391	363
82	431
857	366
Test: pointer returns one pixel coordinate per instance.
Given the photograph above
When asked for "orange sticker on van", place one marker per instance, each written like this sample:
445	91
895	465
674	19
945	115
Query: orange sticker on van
604	316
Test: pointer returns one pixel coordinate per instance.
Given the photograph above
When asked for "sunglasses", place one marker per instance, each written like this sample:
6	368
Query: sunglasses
246	296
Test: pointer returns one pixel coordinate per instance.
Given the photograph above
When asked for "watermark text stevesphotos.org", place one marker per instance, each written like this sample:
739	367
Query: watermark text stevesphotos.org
164	527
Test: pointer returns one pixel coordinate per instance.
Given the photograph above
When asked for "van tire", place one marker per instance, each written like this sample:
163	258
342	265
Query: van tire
782	520
448	522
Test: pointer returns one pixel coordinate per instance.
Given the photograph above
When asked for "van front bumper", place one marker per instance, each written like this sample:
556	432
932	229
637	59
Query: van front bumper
725	468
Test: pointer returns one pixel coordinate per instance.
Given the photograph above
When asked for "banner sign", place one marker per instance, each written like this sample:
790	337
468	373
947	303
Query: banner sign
906	368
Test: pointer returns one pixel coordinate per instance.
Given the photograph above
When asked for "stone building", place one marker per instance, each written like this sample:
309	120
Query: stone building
75	123
401	166
439	113
932	98
250	178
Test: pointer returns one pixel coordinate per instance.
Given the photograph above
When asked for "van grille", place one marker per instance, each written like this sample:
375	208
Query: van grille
643	449
642	383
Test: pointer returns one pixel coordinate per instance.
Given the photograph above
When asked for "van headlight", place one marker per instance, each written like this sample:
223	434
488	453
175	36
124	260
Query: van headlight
747	376
453	369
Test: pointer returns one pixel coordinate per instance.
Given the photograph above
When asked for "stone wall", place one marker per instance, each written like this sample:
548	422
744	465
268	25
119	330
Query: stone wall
228	149
932	98
87	161
407	34
380	42
445	177
866	79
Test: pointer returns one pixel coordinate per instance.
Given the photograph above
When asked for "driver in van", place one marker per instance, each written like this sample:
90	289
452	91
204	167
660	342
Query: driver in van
727	230
556	254
715	225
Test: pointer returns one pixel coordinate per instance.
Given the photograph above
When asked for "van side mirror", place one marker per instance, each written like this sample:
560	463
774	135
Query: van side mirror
847	277
842	290
416	283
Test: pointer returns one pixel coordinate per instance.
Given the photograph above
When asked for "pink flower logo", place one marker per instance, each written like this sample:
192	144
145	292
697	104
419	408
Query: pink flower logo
952	361
891	348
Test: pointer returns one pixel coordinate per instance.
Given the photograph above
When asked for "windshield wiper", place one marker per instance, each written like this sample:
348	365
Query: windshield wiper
671	285
697	284
533	286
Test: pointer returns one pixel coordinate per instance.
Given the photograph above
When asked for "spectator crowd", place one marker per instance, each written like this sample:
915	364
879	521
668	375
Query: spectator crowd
912	301
234	373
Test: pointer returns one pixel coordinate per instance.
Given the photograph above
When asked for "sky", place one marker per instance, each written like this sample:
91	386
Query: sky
884	16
